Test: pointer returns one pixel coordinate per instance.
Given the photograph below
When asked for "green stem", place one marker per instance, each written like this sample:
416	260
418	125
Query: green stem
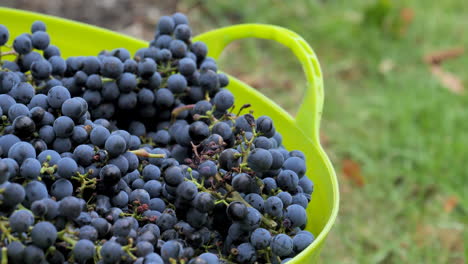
6	231
4	255
62	236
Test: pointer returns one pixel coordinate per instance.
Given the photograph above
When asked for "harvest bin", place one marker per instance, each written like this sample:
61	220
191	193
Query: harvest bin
301	132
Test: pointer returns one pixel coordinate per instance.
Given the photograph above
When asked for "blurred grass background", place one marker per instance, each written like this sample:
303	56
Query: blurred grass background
397	135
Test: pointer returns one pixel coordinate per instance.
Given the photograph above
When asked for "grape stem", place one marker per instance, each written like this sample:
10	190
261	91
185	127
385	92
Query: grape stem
85	183
6	231
4	255
62	236
178	110
11	52
146	154
128	249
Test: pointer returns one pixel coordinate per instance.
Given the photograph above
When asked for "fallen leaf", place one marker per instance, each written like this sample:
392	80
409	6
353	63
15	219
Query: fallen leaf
450	203
406	17
438	57
324	139
386	66
352	171
448	80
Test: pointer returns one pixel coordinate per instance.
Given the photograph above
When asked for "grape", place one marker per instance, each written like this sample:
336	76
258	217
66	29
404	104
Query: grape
21	220
33	255
260	238
173	176
242	183
21	151
61	189
164	98
183	32
200	49
210	258
115	145
207	169
274	206
23	126
8	80
127	82
23	92
282	245
4	172
176	83
57	95
63	127
84	250
44	234
187	190
111	252
166	25
246	253
70	207
288	180
74	108
122	227
13	194
171	249
13	167
151	172
146	68
40	40
132	160
223	100
259	160
307	185
229	158
140	195
79	135
237	211
4	35
51	51
162	137
295	164
145	96
111	67
38	26
30	168
144	248
256	201
15	252
120	200
302	240
110	174
6	101
39	208
157	204
153	258
187	67
99	135
127	101
22	44
295	215
121	162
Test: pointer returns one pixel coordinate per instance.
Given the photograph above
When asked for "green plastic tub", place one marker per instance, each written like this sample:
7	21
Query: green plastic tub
300	132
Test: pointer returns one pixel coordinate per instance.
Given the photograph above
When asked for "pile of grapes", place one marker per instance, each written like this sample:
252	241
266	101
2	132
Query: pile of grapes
143	159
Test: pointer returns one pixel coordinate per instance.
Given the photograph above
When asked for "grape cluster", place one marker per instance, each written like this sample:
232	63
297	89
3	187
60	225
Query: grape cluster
143	159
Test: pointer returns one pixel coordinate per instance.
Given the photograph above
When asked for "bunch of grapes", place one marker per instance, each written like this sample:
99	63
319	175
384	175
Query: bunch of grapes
143	159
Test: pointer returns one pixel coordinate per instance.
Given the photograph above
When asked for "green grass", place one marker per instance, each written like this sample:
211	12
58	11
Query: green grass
407	131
